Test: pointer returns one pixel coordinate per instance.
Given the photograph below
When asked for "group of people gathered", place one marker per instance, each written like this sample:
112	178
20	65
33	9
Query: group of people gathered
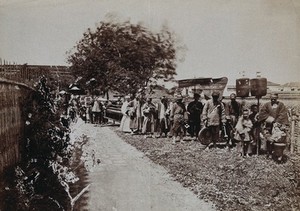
91	110
251	128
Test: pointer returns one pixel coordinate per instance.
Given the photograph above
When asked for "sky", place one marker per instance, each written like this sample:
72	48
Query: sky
232	38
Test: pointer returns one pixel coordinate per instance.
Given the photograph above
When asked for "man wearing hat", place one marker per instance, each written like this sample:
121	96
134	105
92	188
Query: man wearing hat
214	115
194	109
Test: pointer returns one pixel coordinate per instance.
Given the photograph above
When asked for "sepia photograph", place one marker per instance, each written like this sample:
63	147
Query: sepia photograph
148	105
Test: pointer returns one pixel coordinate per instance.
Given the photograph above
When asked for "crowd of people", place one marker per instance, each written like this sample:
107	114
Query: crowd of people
252	129
90	109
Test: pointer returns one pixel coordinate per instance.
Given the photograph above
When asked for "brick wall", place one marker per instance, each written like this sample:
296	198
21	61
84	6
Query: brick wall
12	96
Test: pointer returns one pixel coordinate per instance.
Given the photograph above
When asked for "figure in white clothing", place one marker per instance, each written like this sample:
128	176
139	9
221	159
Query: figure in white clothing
125	122
163	117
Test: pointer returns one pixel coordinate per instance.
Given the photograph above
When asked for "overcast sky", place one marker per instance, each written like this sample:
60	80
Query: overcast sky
223	37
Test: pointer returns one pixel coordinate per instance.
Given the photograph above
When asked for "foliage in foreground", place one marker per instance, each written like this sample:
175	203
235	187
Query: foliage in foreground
41	180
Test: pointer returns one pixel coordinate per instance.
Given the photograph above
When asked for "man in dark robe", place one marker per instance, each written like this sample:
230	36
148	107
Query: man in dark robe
194	109
234	109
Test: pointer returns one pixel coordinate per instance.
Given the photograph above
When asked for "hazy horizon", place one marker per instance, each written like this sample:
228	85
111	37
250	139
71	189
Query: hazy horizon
223	38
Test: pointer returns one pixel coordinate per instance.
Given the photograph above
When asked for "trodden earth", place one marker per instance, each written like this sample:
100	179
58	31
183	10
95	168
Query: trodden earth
119	177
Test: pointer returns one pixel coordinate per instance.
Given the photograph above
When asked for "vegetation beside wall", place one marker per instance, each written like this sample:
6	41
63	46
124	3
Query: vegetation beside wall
41	180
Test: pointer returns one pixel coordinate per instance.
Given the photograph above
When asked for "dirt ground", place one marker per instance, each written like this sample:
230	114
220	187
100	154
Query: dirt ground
223	177
122	178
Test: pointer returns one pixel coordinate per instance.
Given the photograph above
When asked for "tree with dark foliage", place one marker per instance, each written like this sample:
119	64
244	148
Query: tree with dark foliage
124	56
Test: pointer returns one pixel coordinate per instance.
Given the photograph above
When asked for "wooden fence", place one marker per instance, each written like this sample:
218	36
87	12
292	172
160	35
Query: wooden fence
12	97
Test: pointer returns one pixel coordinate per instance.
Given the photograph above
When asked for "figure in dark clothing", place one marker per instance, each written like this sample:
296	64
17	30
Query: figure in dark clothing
234	109
194	109
255	129
254	114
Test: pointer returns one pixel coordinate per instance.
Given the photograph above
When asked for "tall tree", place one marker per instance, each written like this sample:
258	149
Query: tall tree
124	56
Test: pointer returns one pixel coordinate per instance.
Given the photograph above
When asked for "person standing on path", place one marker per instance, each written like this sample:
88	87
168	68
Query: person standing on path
131	111
234	109
243	134
163	117
194	109
124	125
179	117
213	116
255	129
148	111
96	111
136	117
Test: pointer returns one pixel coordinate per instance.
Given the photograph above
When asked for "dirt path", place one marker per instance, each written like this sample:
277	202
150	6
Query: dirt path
126	180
